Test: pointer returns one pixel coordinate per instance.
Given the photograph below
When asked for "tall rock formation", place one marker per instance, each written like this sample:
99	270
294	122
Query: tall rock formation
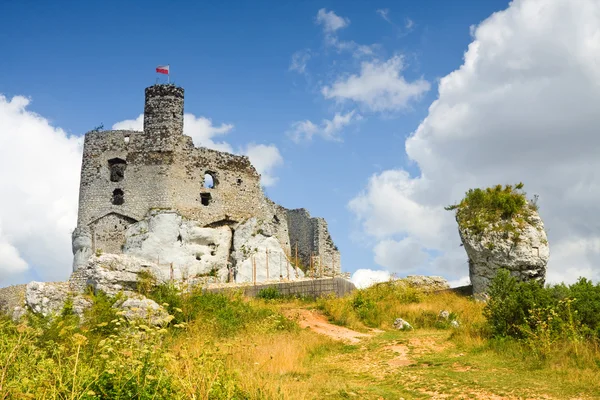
499	228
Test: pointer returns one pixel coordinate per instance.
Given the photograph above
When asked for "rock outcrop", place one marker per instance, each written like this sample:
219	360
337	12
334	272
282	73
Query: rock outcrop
524	252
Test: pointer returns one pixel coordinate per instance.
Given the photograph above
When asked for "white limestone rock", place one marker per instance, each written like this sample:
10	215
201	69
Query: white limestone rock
140	308
113	273
526	258
402	325
427	283
253	242
166	238
47	298
82	246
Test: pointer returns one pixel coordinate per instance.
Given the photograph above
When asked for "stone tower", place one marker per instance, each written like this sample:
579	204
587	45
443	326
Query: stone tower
163	112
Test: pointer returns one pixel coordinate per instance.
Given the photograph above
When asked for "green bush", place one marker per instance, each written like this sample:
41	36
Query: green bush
527	309
269	293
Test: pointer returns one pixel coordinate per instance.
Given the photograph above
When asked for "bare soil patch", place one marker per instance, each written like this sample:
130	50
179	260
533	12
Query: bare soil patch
318	323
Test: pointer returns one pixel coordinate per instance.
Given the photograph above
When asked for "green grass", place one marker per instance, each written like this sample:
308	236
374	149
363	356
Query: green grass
229	347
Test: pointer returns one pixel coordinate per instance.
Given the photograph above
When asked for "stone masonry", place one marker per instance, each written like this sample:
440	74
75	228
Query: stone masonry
128	176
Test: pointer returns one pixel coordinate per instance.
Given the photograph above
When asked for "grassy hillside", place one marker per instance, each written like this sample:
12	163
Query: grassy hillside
228	347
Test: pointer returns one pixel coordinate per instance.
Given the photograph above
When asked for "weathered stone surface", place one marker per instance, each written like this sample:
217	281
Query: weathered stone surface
402	325
143	309
48	298
525	258
112	273
82	246
253	243
426	283
165	238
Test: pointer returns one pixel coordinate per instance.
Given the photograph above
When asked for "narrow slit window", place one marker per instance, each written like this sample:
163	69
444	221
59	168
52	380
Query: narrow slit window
205	198
118	197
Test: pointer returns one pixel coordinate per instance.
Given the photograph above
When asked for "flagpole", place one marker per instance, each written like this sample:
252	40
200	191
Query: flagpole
169	74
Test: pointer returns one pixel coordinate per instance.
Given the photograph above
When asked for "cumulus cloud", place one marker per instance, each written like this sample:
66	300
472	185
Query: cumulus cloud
329	129
363	278
330	21
521	107
380	86
265	159
39	186
130	124
201	129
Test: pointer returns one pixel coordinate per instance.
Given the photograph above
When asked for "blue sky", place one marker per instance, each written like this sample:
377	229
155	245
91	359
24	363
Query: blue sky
86	63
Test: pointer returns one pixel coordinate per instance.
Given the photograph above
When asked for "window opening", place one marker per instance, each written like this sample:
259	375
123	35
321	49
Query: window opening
118	197
210	182
205	198
117	169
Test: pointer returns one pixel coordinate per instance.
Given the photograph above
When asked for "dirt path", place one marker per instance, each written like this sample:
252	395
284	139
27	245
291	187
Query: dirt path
318	323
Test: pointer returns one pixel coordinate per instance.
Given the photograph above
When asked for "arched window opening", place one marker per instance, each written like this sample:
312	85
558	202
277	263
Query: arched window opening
118	197
205	198
210	180
117	169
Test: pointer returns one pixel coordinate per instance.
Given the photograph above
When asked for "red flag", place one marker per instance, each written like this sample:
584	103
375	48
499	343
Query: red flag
163	69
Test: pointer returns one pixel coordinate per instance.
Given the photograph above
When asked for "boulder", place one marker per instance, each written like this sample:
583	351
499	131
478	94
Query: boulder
402	325
113	273
140	308
444	314
48	298
427	283
524	251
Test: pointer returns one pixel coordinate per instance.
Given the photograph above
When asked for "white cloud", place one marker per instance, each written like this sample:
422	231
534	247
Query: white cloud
299	61
39	186
201	129
330	21
384	13
203	132
328	129
522	107
265	158
379	87
130	124
407	252
363	278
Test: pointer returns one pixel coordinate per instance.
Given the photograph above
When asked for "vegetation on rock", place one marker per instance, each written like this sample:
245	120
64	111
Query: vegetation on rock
501	209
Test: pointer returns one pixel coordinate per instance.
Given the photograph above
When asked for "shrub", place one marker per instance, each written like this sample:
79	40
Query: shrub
269	293
494	207
526	310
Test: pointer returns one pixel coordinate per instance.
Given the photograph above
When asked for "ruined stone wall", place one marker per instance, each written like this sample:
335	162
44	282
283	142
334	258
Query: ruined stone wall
313	240
126	174
328	255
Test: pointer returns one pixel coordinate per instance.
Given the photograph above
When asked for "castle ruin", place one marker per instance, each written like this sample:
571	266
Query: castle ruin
153	194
